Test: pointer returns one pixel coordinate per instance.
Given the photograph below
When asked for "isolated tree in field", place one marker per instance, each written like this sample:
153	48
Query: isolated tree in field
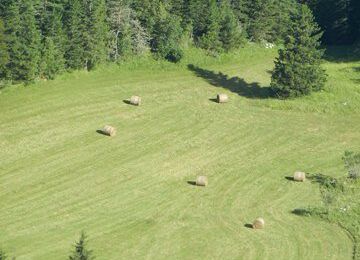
4	55
298	68
80	251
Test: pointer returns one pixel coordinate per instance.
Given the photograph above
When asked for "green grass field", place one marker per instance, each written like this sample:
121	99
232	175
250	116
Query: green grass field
130	193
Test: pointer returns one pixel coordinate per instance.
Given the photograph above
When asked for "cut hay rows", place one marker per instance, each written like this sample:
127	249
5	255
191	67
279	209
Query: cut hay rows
131	195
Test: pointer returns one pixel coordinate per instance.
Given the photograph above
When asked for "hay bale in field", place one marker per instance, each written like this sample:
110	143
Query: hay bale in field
259	223
299	176
222	98
109	130
202	181
135	100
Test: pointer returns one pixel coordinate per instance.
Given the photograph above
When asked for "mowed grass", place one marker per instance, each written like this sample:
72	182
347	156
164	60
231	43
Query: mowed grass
130	193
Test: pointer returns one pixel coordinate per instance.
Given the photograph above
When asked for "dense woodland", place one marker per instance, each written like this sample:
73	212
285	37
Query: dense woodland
42	38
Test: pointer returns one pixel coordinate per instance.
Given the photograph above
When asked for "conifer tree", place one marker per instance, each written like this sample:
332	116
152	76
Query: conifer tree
4	5
12	39
241	11
54	40
50	64
81	252
210	39
167	36
147	12
4	55
231	34
23	41
298	69
96	33
53	26
76	28
261	19
31	42
282	18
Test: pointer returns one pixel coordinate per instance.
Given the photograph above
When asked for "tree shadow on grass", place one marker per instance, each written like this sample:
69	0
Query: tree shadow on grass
342	54
234	84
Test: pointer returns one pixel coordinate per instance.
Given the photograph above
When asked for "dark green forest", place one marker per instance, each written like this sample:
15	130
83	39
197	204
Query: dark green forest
42	38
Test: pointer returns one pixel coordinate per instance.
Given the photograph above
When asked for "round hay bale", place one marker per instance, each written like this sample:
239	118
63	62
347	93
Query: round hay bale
202	181
135	100
259	223
222	98
109	130
299	176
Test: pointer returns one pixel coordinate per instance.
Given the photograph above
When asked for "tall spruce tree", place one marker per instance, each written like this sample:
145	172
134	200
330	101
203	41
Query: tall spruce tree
241	11
54	40
23	41
147	11
282	18
231	34
4	55
96	33
50	65
31	42
166	36
261	20
298	68
210	39
76	35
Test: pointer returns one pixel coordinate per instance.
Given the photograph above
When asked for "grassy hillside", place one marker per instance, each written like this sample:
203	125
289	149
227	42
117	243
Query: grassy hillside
130	193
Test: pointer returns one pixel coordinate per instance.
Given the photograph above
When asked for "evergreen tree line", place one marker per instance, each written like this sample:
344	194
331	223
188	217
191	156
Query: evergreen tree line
339	19
42	38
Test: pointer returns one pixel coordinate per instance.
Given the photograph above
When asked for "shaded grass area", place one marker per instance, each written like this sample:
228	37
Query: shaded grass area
234	84
131	194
